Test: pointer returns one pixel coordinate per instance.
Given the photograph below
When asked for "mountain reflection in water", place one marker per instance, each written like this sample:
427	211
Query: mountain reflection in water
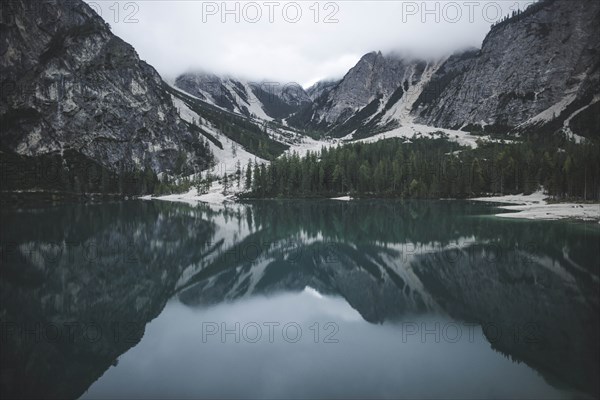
81	284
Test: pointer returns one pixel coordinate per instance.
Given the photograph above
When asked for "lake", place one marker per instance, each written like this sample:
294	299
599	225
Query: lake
297	299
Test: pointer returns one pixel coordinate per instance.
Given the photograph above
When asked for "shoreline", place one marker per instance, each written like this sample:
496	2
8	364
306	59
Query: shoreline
529	207
535	207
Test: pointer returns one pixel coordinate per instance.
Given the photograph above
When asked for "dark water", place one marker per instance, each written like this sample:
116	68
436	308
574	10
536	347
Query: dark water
297	299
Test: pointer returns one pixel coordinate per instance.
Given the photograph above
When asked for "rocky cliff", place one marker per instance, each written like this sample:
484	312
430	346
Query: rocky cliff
537	68
264	100
374	75
318	88
361	100
68	83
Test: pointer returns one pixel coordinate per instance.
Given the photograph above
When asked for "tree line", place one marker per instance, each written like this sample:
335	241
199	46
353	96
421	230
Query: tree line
432	168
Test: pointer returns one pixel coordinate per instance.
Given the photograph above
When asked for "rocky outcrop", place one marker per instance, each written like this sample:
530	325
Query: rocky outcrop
539	66
291	93
362	98
265	100
318	88
375	96
539	69
374	75
68	83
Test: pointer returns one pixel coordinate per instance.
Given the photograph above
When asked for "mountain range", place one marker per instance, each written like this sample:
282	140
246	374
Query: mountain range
71	88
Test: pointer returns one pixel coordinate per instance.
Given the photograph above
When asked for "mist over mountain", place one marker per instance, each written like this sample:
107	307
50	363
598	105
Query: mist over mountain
322	44
265	99
507	84
353	171
77	93
540	67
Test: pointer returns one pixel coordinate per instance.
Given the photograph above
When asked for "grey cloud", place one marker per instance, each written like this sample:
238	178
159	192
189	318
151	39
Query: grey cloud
177	36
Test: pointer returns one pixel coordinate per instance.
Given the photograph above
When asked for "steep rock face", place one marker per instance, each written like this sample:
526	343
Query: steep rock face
455	66
536	67
265	100
318	88
69	83
374	75
280	100
374	96
539	69
291	93
223	92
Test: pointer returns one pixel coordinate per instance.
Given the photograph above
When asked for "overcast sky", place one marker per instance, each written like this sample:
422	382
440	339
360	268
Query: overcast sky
301	41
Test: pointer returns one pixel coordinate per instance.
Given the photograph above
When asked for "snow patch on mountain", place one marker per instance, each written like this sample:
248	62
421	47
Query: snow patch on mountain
255	107
402	110
552	112
230	156
567	124
410	130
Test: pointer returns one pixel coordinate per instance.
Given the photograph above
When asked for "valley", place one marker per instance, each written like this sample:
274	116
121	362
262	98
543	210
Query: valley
207	127
409	222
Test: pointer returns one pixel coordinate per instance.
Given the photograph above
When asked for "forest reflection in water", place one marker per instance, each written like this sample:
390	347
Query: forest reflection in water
80	284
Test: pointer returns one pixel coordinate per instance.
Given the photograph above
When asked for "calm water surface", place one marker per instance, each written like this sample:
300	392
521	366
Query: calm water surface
297	299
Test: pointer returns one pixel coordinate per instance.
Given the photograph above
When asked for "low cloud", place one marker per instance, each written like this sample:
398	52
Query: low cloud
294	41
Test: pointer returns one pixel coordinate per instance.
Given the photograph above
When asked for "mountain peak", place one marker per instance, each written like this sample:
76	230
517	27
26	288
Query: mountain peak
372	57
266	99
87	92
